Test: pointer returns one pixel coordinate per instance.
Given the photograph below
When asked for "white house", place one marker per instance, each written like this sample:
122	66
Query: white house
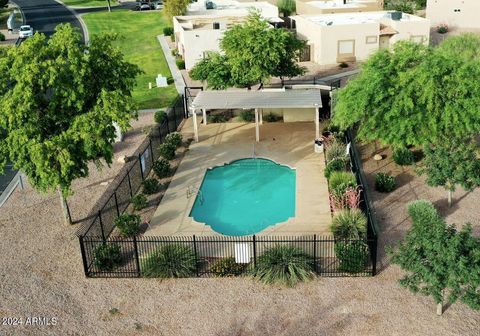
454	13
311	7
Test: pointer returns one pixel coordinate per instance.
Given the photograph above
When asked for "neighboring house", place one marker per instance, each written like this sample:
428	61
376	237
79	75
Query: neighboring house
199	31
454	13
351	37
314	7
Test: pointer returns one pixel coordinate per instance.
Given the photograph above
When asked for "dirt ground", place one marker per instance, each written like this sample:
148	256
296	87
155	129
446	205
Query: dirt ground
41	276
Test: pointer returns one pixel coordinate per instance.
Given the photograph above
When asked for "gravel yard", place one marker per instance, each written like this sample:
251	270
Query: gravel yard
41	275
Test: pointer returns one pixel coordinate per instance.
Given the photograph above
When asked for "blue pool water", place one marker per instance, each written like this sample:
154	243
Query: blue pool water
245	196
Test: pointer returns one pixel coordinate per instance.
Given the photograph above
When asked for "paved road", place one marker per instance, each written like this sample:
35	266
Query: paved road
45	15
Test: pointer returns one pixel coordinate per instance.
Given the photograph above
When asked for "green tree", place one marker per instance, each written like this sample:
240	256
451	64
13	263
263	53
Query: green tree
253	52
401	6
59	101
286	7
439	261
175	8
3	3
450	163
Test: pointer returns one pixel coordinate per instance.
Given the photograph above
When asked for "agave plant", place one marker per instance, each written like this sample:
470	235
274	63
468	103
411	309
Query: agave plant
170	261
349	224
285	265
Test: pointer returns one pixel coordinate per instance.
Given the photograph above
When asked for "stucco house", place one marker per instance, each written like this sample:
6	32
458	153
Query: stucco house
313	7
454	13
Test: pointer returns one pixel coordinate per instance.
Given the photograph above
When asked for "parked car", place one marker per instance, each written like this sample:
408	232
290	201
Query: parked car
143	6
159	5
25	31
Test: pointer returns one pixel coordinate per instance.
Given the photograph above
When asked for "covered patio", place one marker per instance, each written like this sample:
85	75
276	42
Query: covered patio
295	100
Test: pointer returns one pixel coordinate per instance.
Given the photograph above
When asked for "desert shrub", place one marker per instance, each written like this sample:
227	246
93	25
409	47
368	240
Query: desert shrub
128	224
2	37
385	183
334	165
170	261
352	255
160	116
168	31
285	265
343	65
180	64
227	267
349	224
107	257
175	139
217	118
403	156
271	117
247	115
139	202
162	168
167	151
150	186
336	150
340	181
442	29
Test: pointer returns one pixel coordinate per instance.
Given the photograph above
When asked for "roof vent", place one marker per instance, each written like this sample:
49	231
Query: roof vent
216	25
209	5
396	16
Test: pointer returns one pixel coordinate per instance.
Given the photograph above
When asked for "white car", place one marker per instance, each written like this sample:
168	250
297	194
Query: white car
25	31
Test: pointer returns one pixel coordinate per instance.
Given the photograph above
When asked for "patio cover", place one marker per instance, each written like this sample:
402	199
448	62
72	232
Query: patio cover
290	98
268	98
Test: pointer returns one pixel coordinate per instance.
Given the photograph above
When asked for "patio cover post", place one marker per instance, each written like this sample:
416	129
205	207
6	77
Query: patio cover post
261	117
317	122
204	112
257	129
195	125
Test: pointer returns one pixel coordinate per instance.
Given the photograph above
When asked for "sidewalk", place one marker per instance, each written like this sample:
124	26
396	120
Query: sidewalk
176	74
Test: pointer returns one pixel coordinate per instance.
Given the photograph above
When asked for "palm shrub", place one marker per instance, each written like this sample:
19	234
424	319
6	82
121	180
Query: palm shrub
159	116
139	202
285	265
336	150
385	183
349	224
107	257
336	164
128	224
403	156
247	115
162	168
170	261
352	255
151	186
340	181
227	267
167	150
175	139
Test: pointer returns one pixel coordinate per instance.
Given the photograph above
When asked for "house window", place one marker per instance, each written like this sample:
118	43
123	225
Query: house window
371	39
417	38
346	48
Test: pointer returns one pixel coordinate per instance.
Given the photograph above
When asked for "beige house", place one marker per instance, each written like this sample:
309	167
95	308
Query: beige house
199	31
314	7
454	13
350	37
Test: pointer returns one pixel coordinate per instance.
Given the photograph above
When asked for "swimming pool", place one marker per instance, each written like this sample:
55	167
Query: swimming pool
245	196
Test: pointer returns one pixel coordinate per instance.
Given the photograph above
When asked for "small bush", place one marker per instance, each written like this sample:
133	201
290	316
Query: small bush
271	117
353	255
217	118
286	265
174	52
227	267
139	202
172	38
334	165
175	139
442	29
2	37
247	115
160	116
403	156
151	186
168	31
180	64
336	150
162	168
385	183
340	181
107	257
170	261
128	224
349	224
343	65
167	151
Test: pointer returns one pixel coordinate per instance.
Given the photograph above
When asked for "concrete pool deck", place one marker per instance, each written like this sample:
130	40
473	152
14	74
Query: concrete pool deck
288	144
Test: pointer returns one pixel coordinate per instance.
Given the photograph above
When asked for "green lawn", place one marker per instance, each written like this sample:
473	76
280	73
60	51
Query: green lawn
140	46
89	3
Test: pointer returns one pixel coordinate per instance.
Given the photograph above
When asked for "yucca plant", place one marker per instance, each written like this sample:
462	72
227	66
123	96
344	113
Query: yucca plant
349	224
285	265
170	261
